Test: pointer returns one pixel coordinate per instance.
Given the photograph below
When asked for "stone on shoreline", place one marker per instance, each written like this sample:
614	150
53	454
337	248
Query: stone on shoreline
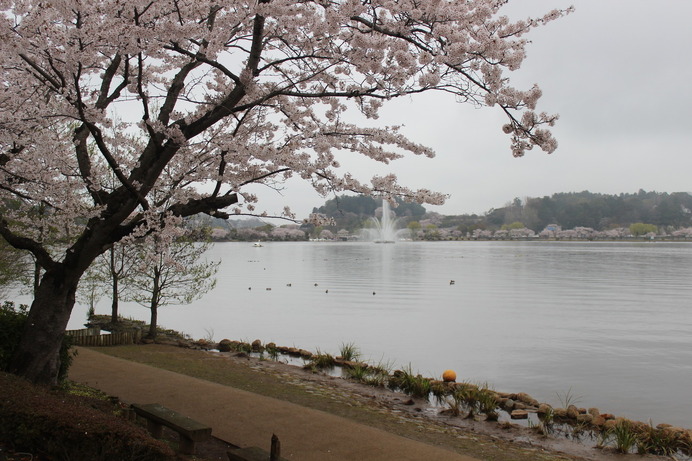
572	412
598	421
527	399
543	409
225	345
585	418
518	405
519	414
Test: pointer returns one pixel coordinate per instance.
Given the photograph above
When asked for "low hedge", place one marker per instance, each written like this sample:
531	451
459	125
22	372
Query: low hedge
65	427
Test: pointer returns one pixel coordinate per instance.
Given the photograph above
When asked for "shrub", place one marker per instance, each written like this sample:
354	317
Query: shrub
65	427
12	321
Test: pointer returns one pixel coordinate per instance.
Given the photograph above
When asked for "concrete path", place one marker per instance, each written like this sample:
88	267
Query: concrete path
246	419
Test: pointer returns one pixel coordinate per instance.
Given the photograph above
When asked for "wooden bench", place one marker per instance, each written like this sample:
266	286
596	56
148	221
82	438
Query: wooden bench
157	416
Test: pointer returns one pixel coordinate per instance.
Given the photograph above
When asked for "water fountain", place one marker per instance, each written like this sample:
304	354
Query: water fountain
383	230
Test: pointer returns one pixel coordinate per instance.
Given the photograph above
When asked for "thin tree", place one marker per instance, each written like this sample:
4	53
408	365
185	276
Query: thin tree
120	263
168	95
176	272
92	287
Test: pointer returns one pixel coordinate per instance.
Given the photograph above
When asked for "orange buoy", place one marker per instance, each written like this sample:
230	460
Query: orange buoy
449	376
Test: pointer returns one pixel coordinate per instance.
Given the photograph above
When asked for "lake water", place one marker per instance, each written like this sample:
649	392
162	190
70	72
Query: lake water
611	323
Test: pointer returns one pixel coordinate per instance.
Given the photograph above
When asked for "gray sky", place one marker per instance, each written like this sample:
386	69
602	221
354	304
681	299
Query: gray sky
617	71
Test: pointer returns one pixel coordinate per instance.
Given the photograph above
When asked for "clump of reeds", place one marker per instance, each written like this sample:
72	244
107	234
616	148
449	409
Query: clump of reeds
320	361
349	352
409	383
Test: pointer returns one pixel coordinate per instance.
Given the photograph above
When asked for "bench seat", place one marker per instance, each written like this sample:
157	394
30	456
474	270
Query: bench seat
157	416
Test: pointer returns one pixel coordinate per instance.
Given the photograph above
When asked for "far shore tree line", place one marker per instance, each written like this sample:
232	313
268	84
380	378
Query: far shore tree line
563	216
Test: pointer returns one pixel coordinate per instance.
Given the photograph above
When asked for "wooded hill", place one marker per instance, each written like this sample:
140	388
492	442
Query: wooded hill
568	210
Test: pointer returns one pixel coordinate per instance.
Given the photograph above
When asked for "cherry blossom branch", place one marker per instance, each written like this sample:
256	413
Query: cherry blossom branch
46	76
24	243
263	176
104	99
203	59
205	205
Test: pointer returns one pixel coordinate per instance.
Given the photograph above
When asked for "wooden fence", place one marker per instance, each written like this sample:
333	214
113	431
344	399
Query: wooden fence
93	337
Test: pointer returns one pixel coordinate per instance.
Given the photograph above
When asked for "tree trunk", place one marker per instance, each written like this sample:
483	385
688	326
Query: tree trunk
37	355
152	322
154	306
114	305
114	275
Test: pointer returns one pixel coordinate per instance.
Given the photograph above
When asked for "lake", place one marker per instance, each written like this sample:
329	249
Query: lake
610	323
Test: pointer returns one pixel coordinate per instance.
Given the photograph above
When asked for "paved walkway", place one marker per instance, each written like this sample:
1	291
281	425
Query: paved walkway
246	419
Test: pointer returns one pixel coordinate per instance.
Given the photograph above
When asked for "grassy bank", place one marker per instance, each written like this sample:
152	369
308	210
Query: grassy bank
326	394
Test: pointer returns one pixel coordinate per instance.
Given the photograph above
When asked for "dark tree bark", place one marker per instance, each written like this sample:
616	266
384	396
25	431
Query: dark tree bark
115	275
154	306
152	322
37	357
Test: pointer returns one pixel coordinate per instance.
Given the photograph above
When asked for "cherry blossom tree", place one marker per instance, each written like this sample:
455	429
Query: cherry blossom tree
185	102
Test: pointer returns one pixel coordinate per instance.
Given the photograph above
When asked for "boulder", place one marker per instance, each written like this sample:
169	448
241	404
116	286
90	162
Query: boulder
572	412
257	346
593	412
585	418
293	351
519	414
527	399
610	424
640	426
225	345
543	408
598	421
466	386
687	436
677	433
560	413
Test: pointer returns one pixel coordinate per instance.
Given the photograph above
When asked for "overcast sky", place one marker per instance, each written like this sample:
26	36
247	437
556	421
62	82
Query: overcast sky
617	71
